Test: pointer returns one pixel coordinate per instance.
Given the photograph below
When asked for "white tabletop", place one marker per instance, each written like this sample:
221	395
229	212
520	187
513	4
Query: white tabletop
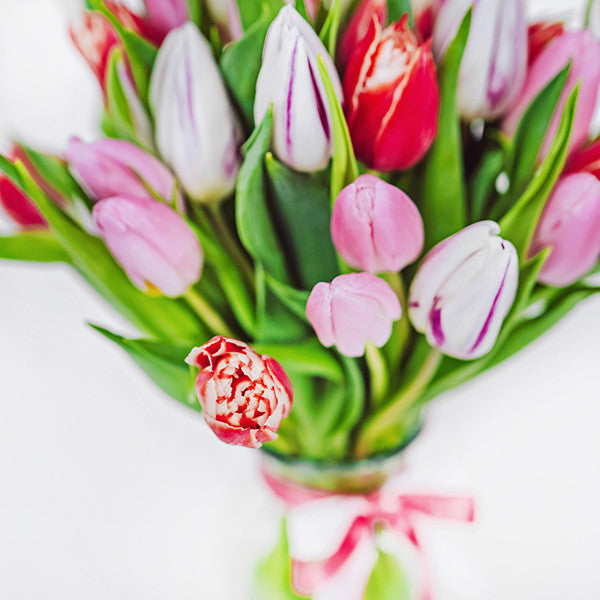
109	490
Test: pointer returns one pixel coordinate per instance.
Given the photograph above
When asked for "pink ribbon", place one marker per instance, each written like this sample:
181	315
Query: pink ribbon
347	524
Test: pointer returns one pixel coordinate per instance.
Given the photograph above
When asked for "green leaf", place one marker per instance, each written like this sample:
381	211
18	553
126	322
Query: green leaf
240	63
483	184
519	224
388	581
443	203
293	299
273	577
397	8
306	357
163	363
252	11
36	246
531	132
344	169
253	219
164	317
329	31
303	216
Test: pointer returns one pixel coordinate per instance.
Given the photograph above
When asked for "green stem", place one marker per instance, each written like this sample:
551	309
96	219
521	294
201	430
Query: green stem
588	13
391	415
208	314
401	332
231	245
378	371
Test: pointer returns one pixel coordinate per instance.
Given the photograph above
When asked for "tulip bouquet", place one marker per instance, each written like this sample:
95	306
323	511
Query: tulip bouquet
348	207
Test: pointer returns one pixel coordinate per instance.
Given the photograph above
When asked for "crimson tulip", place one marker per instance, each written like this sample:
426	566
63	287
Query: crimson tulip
392	97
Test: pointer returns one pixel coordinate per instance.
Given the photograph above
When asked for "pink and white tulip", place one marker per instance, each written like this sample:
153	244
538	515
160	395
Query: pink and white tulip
352	310
376	227
154	245
196	129
244	395
494	63
463	290
582	49
110	167
570	225
289	79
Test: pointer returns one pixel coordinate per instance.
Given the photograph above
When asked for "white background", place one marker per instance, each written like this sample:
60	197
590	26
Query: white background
110	490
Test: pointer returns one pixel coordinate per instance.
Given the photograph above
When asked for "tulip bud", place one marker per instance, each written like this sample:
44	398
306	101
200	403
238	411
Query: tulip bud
159	17
392	97
95	38
376	227
289	79
196	130
582	49
244	395
154	245
539	35
110	167
352	310
463	289
494	62
570	225
18	206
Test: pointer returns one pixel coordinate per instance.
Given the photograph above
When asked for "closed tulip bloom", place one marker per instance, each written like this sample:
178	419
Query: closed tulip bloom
18	206
392	97
110	167
196	130
582	49
244	395
352	310
570	225
463	289
494	63
154	245
376	227
540	35
289	79
155	21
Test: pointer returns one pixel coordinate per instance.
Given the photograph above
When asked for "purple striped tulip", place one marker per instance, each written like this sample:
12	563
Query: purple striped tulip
376	227
110	167
570	225
582	49
494	63
196	129
289	79
352	310
154	245
463	289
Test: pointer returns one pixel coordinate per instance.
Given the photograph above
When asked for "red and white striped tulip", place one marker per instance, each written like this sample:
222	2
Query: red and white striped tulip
154	245
463	290
494	62
570	225
244	395
392	97
289	79
376	227
196	129
352	310
582	50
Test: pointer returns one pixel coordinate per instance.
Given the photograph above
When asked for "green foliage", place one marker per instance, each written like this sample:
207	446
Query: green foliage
301	209
443	202
397	8
36	246
252	11
483	184
388	581
519	224
331	26
163	363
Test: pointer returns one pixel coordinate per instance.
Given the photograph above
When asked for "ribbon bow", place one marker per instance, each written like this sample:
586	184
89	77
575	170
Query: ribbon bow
332	536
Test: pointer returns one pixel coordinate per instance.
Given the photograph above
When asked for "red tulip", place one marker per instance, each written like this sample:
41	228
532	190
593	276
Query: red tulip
539	35
392	97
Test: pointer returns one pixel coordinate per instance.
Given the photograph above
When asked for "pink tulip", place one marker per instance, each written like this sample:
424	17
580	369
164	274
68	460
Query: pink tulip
463	289
158	18
376	227
570	225
352	310
244	395
583	50
110	167
153	244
